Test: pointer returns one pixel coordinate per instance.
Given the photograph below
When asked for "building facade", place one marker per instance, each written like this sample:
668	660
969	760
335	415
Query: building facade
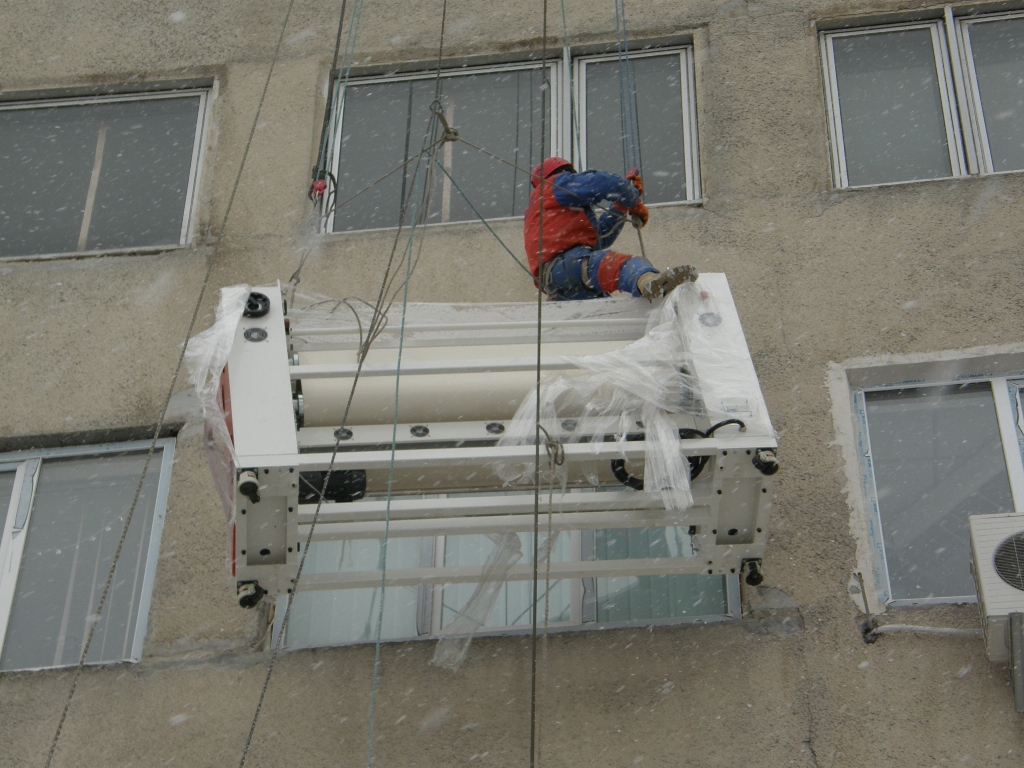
853	168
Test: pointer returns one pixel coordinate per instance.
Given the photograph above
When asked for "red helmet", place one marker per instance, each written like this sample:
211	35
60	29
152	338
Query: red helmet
548	168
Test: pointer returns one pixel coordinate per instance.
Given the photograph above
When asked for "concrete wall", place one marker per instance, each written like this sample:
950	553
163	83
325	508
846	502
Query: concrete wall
818	275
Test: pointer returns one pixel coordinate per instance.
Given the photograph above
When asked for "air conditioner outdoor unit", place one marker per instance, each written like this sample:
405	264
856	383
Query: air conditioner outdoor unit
997	563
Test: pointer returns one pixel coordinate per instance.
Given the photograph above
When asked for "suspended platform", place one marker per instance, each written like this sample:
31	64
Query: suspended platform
437	472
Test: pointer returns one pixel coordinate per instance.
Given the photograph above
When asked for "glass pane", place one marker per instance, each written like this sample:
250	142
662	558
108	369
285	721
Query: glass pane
339	616
657	110
650	598
1017	406
383	126
937	459
77	517
891	108
513	605
134	157
6	487
998	51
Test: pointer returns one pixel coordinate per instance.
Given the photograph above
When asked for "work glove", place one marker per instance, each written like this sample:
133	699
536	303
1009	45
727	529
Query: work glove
634	177
639	214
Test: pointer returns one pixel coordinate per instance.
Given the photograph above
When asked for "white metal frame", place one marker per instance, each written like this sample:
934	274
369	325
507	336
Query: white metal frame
727	525
1008	427
28	465
688	87
979	142
189	217
947	91
337	119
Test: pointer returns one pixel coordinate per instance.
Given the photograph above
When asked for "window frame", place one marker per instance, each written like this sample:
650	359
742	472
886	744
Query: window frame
189	218
689	99
850	381
972	93
429	607
27	465
947	94
337	122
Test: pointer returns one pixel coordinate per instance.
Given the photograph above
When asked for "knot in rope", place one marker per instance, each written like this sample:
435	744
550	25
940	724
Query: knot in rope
555	449
449	133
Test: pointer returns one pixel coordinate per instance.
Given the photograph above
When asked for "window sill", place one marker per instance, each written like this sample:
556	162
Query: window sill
76	255
888	184
500	219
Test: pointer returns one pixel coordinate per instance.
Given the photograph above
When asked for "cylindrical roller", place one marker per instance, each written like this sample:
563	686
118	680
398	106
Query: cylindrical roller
431	398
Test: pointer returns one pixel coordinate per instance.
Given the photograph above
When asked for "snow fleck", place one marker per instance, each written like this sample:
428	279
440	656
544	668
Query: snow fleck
177	17
177	719
864	665
964	672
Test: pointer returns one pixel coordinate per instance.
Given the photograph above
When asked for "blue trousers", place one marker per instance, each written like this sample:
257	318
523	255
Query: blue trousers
577	274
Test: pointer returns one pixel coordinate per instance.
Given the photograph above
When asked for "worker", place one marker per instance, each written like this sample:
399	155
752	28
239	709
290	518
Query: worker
576	262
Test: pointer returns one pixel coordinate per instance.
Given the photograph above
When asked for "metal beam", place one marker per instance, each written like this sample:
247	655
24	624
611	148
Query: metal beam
459	526
442	457
411	577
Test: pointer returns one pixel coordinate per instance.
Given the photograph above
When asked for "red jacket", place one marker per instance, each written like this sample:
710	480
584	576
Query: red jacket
569	218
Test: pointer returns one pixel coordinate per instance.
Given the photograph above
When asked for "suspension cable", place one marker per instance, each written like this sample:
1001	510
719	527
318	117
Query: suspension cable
483	220
167	401
545	94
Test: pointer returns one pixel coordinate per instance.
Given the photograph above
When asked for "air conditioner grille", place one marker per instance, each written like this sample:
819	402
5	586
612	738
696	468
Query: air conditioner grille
1009	561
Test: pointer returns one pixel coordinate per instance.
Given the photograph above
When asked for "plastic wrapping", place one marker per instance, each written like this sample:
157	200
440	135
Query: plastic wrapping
453	644
633	389
206	355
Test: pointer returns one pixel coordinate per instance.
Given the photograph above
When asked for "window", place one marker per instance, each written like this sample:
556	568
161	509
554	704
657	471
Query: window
927	100
378	127
933	445
63	513
99	174
994	54
381	127
891	104
662	118
343	616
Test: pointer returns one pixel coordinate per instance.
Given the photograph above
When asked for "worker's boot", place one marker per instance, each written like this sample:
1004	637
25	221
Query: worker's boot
654	285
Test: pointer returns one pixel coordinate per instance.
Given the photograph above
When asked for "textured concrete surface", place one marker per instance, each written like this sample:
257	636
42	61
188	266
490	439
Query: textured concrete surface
818	275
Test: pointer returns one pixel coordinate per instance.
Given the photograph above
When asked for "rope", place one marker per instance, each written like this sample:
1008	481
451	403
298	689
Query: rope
546	90
556	458
627	90
483	220
409	266
170	392
382	559
574	123
377	323
324	130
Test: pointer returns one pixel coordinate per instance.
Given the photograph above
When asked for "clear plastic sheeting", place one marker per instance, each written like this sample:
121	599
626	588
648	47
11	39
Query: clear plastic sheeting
206	355
453	645
692	361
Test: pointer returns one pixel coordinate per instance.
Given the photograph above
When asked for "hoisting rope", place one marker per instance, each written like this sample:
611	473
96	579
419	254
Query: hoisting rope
376	325
545	92
574	122
631	156
94	619
320	171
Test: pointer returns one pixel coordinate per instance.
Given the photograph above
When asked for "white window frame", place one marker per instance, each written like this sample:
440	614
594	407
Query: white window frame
851	380
189	218
336	124
689	99
978	140
27	465
429	607
947	93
